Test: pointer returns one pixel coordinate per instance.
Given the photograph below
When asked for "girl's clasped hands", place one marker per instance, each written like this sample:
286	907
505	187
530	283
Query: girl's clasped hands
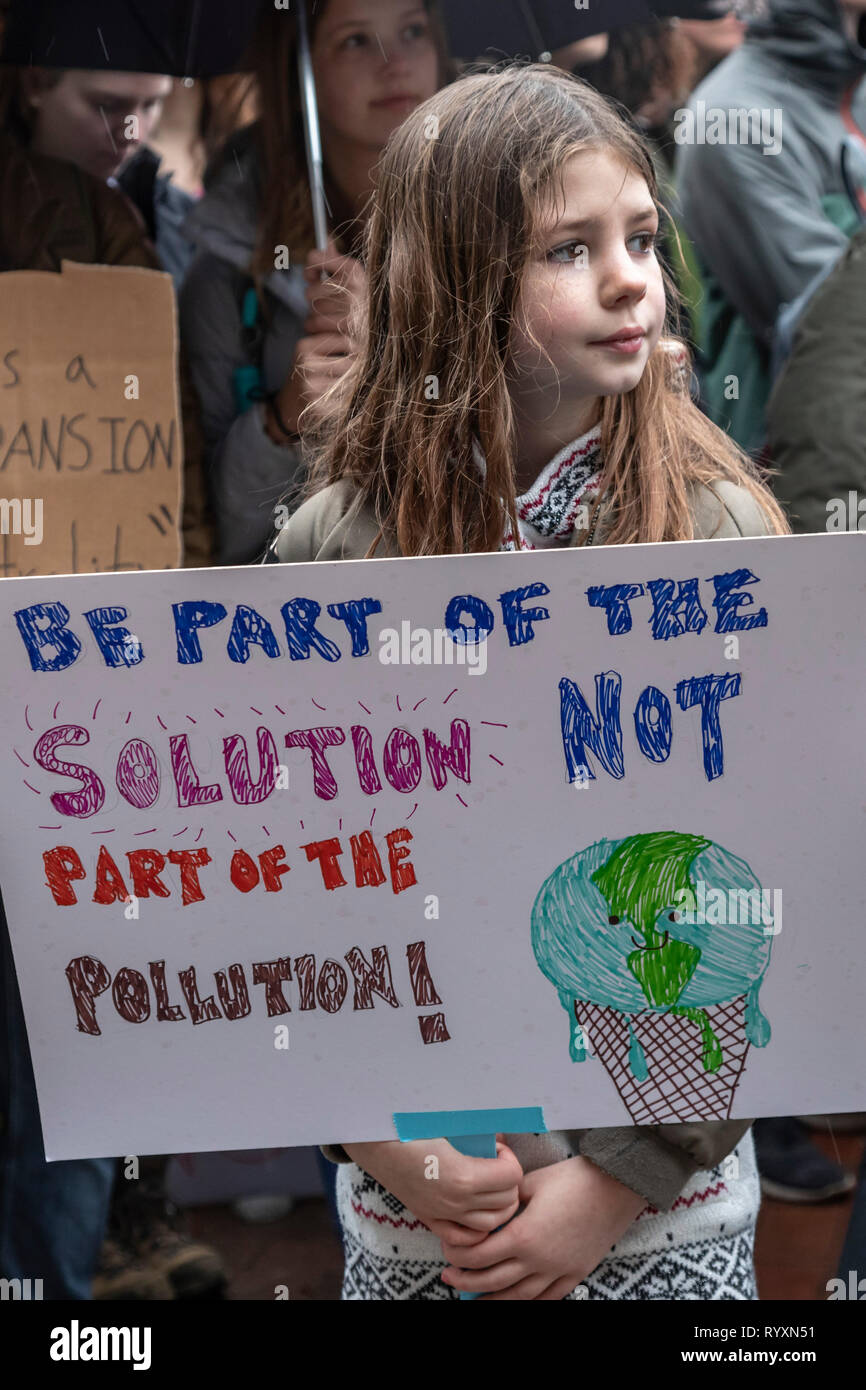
506	1235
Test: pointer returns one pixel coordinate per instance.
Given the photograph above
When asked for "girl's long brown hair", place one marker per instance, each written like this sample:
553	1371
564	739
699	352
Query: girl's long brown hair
461	187
286	212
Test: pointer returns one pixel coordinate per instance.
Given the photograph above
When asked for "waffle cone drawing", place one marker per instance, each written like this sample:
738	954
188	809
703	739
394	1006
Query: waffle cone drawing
677	1088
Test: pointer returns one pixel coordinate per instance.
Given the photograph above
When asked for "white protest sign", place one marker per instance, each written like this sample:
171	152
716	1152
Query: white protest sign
272	875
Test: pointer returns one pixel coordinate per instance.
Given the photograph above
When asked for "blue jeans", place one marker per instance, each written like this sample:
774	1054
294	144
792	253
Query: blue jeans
328	1174
52	1215
854	1250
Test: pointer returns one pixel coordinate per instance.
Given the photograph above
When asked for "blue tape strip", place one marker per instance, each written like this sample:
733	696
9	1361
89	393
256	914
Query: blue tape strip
472	1132
474	1145
438	1124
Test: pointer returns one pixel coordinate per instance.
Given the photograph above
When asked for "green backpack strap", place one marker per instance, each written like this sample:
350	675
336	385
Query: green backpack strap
736	385
839	209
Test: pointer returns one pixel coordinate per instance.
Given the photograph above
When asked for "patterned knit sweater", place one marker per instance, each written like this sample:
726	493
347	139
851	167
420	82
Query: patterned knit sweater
702	1249
550	509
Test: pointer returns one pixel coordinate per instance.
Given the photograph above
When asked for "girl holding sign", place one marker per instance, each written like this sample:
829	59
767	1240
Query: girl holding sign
517	387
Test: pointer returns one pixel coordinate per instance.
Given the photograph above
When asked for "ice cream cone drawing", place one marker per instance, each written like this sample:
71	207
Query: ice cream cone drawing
662	992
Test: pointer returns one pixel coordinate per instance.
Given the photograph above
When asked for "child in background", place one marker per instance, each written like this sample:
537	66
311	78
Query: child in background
257	324
510	259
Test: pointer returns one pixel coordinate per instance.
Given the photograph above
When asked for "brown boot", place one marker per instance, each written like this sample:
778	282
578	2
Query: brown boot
144	1222
192	1269
121	1275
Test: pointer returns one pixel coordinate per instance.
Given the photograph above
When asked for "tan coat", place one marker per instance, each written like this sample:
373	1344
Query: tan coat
336	525
656	1161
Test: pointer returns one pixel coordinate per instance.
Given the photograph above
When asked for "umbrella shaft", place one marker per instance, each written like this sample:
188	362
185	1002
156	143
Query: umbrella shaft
312	133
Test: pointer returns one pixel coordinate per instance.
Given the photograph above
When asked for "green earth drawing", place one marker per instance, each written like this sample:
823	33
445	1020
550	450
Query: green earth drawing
665	993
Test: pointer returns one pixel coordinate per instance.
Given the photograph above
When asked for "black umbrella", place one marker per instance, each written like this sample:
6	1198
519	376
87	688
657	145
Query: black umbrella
201	38
182	38
538	27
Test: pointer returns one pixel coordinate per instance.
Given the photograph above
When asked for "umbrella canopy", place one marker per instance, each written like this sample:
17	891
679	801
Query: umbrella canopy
202	38
182	38
539	27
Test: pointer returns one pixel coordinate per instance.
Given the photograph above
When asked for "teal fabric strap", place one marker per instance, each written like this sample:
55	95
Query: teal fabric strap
248	377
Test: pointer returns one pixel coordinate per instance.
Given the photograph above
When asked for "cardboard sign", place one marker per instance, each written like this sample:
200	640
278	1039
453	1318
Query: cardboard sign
91	447
286	851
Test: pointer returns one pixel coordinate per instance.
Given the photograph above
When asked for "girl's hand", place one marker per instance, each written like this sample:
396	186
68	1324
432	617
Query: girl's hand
323	355
469	1198
333	300
319	362
574	1213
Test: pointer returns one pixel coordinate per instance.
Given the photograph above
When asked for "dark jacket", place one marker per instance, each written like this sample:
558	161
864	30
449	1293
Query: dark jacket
248	473
164	207
816	416
52	212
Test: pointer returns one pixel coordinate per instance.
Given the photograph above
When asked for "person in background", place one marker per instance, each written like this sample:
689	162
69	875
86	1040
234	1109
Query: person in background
712	39
76	119
198	116
97	120
265	336
581	53
102	121
53	1215
816	413
56	207
648	68
768	228
767	210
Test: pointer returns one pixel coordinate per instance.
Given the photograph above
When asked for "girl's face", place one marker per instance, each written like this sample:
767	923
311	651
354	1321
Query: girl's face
593	276
374	61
